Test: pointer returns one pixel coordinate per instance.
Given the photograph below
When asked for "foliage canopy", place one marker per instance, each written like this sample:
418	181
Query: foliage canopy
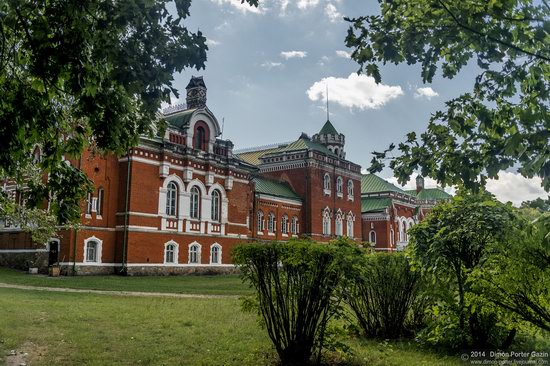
504	120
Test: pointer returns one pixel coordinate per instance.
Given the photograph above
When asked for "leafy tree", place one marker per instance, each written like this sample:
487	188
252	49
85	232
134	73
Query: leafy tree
538	204
516	277
296	287
79	73
504	120
383	294
452	242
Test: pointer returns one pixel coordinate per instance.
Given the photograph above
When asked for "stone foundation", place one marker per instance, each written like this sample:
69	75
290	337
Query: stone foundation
26	260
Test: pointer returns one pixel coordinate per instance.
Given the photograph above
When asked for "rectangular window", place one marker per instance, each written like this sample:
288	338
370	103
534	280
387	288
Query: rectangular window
99	208
89	204
91	252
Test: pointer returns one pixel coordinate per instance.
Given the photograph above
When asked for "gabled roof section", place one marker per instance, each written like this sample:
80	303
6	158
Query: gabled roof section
371	183
372	204
252	156
430	194
274	188
180	119
327	129
305	143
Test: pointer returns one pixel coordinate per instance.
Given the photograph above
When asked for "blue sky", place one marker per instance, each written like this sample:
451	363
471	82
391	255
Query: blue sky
267	70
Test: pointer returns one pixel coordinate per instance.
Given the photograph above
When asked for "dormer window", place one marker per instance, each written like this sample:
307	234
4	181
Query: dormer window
200	135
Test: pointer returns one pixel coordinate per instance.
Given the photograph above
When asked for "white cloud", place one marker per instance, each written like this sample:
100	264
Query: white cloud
343	54
304	4
427	93
293	54
332	13
516	188
355	91
242	7
510	186
271	65
212	42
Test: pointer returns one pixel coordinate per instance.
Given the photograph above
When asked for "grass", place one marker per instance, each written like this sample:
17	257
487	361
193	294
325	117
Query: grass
206	285
72	329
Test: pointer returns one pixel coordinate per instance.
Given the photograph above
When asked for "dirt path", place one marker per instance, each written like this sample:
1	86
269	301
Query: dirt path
117	293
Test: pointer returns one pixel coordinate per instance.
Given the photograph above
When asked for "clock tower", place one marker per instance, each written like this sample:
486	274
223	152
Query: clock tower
196	93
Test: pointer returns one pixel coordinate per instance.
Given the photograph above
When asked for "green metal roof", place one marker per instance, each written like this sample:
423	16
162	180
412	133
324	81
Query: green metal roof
371	204
303	143
274	188
371	183
180	119
435	194
328	129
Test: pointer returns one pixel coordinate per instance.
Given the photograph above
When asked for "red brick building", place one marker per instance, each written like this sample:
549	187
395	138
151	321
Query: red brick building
180	202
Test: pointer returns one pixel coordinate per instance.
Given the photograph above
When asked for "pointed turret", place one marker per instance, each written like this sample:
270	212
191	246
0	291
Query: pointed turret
333	140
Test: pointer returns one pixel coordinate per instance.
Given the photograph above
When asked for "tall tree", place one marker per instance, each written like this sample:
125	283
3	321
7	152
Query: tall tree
504	121
78	73
538	204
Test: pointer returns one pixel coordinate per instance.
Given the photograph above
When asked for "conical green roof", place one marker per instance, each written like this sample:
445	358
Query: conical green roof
328	129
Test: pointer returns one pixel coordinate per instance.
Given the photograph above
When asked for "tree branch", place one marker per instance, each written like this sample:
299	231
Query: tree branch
470	29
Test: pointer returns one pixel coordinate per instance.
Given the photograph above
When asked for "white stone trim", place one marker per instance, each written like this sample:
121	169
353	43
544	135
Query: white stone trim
199	253
216	245
279	199
176	252
99	251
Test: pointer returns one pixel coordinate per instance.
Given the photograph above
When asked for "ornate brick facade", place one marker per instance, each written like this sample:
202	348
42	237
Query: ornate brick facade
180	202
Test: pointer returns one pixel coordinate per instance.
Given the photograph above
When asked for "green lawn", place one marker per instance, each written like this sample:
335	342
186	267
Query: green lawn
206	285
73	329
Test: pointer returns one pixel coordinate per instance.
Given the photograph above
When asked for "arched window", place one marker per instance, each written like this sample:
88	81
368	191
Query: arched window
326	222
350	226
372	237
216	205
392	237
294	226
200	135
171	199
350	188
215	254
170	253
326	182
271	223
284	224
339	186
260	221
339	227
194	254
194	209
92	250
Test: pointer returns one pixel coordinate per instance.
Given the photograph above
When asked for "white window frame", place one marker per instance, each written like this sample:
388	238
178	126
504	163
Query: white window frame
219	247
349	222
89	204
99	249
326	184
326	222
175	252
260	219
100	200
371	234
294	226
271	223
195	203
339	230
172	202
339	187
350	190
198	253
284	225
216	205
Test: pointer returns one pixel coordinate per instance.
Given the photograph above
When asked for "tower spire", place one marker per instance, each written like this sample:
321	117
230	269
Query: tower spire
327	104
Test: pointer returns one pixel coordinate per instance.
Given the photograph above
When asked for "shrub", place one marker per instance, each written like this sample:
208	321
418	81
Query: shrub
296	285
383	295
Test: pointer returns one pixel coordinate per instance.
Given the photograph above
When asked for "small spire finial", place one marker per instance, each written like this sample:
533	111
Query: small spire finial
327	105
